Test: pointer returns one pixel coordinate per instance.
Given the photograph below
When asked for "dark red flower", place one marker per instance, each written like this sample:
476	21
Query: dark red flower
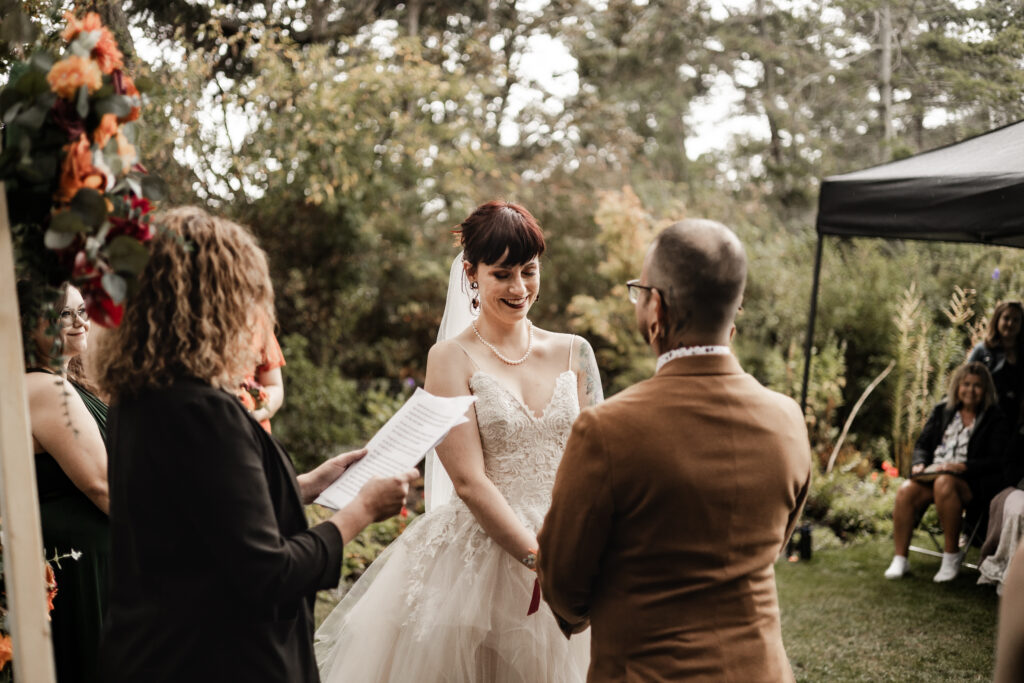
87	277
65	115
129	226
141	204
102	309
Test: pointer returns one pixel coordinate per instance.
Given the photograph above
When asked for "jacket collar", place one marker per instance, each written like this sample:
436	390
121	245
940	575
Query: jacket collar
712	364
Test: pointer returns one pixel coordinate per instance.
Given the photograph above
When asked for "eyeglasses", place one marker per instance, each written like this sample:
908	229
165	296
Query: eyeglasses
67	316
634	287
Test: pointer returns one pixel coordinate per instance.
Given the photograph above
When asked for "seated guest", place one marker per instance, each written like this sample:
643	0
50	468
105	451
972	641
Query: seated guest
1002	352
68	430
1010	638
1006	518
957	461
214	571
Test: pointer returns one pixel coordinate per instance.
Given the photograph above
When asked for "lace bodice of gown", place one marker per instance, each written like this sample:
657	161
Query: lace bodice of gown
522	450
445	602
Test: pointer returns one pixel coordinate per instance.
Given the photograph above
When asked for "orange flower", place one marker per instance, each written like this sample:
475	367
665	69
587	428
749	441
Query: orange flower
77	171
70	74
91	22
124	85
51	587
6	650
106	130
105	52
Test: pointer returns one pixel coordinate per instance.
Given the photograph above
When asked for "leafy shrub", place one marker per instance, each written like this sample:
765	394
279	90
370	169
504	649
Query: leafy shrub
851	506
324	412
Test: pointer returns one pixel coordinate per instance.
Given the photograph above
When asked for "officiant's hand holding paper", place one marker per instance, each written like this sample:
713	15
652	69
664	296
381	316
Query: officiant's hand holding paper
313	483
418	426
378	499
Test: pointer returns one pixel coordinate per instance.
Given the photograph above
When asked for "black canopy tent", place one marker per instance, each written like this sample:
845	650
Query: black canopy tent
970	191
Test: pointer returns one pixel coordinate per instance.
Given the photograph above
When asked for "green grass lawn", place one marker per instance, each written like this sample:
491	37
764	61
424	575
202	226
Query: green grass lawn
842	621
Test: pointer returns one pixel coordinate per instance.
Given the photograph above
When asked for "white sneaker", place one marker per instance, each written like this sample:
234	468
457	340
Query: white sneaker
898	568
949	569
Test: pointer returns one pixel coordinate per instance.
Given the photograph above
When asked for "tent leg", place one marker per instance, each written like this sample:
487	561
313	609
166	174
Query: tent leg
809	341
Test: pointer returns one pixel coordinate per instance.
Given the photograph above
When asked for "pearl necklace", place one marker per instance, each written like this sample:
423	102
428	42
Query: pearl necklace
502	357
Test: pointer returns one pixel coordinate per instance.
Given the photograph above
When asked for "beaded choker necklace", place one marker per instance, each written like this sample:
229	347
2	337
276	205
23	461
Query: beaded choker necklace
502	357
683	351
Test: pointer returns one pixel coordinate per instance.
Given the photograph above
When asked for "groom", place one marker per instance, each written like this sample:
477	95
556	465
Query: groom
675	497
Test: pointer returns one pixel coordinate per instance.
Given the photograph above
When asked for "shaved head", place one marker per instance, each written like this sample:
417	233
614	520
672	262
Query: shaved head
701	268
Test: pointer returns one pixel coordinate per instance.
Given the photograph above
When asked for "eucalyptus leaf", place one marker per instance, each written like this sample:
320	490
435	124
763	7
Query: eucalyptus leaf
69	222
115	286
82	102
31	83
11	114
33	117
127	255
134	184
153	188
119	105
130	132
41	60
90	206
58	240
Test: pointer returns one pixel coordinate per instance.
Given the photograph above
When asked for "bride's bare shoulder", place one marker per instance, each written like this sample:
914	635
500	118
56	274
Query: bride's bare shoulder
450	353
555	341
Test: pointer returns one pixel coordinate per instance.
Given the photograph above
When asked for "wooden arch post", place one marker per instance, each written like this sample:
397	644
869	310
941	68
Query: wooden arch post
24	574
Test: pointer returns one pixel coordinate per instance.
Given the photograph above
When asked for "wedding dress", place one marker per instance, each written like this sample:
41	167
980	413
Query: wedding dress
444	602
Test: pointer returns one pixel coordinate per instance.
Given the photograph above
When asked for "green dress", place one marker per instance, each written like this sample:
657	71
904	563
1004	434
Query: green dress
73	522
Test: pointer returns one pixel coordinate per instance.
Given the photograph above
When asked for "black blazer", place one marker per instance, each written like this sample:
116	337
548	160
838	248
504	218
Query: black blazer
985	450
213	569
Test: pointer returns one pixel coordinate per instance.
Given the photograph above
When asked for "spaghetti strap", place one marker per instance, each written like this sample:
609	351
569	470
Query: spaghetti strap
470	357
572	343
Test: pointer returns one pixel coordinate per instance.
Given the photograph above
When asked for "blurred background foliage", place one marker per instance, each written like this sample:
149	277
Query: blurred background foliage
352	136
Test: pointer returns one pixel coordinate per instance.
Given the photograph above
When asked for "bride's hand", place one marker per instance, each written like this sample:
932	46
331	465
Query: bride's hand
313	483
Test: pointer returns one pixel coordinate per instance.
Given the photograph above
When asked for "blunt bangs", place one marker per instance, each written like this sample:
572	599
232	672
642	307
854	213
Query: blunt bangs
499	231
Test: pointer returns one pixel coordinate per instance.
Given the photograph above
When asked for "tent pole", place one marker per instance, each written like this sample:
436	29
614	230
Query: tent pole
809	341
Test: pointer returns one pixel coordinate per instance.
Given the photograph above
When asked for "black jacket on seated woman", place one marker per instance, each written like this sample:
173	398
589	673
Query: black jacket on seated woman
986	457
964	442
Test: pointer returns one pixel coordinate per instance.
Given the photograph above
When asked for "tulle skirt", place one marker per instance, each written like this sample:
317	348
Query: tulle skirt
445	603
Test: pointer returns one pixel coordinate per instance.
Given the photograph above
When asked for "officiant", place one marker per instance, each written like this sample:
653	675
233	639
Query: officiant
213	570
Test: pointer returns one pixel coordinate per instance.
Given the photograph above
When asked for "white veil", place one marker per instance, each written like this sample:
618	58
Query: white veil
437	485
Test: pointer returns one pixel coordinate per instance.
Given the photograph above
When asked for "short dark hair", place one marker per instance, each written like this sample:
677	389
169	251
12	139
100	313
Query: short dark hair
700	268
498	226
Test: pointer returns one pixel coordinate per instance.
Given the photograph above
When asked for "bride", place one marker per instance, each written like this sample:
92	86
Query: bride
448	600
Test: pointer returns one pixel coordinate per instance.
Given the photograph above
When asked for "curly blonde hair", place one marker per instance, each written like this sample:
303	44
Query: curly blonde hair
202	300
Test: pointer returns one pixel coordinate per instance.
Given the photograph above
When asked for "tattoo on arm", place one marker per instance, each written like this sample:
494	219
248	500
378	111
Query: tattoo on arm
586	369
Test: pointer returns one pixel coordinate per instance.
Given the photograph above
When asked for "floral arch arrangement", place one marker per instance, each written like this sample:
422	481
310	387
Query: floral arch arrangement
78	197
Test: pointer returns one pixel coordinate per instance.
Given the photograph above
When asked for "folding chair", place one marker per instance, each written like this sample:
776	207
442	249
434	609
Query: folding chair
972	532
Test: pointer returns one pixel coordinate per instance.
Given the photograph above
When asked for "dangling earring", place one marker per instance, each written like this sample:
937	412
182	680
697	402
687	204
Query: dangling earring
536	298
474	303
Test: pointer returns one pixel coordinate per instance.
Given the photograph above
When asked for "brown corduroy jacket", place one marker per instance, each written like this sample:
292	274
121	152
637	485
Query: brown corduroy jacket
670	507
